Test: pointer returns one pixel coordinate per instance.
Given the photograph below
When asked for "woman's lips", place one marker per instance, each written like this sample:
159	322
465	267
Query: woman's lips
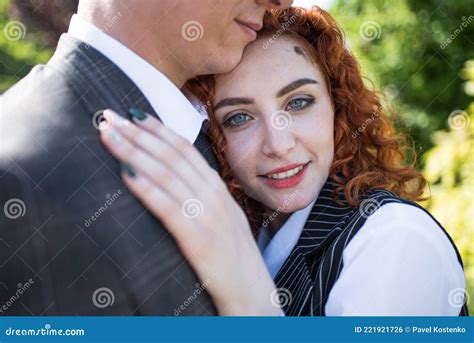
286	177
284	168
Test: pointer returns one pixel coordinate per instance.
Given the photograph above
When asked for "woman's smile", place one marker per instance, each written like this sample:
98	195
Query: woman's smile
287	176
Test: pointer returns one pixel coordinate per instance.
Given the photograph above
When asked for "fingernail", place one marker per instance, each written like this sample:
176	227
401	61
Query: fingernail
127	168
137	113
114	137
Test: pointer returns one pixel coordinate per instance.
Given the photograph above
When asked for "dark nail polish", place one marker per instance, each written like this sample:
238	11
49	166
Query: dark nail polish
137	113
127	168
114	137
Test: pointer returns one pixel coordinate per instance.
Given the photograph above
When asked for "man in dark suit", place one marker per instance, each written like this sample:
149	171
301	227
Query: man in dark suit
73	240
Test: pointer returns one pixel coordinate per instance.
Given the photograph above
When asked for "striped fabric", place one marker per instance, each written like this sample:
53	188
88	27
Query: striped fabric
313	266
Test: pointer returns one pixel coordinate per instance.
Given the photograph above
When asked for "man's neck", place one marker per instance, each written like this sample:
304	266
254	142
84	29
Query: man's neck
130	35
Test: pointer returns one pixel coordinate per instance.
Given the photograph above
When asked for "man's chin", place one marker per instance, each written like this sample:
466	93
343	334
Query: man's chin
224	64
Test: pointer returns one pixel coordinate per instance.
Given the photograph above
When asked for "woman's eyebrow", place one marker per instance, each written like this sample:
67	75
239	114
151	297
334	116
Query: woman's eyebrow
233	102
248	101
294	85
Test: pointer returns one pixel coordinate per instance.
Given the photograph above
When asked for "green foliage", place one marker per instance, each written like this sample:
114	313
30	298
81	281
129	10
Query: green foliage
449	168
19	49
405	46
414	51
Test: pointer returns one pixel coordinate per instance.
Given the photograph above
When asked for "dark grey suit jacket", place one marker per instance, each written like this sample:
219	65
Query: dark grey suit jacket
73	239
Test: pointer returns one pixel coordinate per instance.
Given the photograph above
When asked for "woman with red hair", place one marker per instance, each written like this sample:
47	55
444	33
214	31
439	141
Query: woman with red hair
309	153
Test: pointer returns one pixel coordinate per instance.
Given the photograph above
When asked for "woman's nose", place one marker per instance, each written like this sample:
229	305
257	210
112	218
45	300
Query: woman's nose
278	138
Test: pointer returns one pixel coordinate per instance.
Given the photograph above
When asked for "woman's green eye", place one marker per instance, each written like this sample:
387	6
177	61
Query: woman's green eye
236	120
299	103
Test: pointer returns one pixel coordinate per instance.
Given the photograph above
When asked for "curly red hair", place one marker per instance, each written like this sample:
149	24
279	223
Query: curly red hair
369	152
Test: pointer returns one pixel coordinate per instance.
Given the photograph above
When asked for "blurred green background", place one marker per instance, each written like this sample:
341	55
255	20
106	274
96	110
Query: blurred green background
419	53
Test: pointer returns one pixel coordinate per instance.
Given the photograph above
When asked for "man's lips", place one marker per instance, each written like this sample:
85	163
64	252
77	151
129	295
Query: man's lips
249	28
253	26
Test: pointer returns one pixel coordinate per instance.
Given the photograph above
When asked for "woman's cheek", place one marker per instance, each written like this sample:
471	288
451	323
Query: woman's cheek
309	129
316	132
240	154
325	141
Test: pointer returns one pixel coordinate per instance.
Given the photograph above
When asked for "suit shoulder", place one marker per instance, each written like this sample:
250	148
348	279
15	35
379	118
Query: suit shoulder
36	88
37	113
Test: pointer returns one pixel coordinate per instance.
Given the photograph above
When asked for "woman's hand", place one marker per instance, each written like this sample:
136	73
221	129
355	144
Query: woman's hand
175	183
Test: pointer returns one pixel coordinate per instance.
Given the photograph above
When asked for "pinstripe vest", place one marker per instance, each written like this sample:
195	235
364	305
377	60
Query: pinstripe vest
313	266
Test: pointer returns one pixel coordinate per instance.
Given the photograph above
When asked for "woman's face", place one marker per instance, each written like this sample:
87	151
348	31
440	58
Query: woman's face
276	114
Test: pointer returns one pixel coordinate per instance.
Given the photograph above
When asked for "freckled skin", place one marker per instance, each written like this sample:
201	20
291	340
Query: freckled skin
258	145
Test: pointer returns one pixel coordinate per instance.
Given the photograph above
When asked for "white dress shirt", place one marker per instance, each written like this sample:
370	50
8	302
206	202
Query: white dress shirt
276	250
417	270
171	105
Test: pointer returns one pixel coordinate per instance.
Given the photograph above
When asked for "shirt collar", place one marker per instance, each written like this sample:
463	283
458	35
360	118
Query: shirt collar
171	105
279	247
